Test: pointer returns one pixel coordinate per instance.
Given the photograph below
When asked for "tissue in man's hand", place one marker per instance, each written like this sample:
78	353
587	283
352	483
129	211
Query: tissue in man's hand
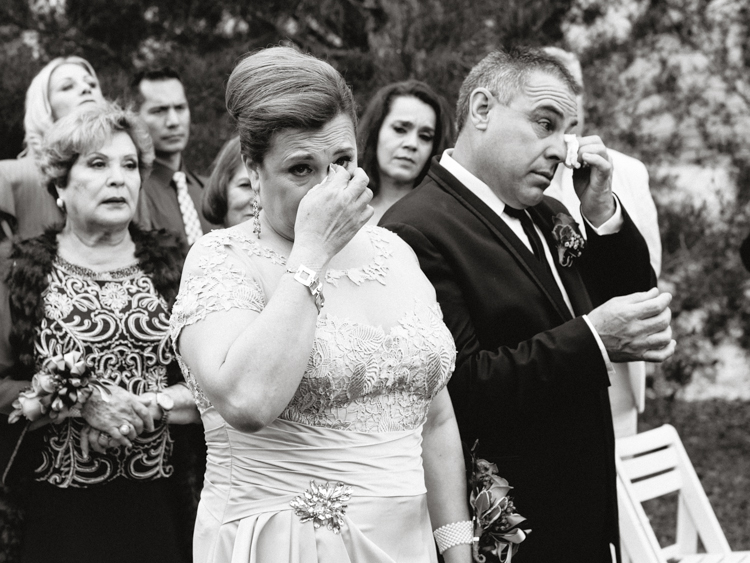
571	159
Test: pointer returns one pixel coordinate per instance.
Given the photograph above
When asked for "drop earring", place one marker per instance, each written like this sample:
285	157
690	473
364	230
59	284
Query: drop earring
60	203
256	217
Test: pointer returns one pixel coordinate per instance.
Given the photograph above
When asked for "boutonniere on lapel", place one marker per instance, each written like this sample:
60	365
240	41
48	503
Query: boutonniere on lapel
568	239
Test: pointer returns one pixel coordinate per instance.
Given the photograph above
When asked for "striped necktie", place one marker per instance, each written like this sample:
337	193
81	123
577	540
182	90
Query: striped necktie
189	214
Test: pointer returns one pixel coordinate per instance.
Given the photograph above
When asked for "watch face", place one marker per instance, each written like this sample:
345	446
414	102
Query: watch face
165	401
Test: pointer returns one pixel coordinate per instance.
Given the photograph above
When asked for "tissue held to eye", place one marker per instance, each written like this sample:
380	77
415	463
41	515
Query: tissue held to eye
571	159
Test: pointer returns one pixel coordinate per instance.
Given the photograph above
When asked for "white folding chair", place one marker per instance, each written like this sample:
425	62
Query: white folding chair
653	464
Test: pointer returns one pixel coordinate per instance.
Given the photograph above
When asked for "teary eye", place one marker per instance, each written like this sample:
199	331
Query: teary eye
300	169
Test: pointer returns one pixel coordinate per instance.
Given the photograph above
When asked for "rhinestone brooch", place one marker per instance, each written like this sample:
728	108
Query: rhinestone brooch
324	505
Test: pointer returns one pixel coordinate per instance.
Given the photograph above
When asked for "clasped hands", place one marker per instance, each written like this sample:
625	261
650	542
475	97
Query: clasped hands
115	420
636	327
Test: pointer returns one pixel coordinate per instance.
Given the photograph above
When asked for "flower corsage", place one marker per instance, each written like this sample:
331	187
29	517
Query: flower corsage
568	239
497	525
59	390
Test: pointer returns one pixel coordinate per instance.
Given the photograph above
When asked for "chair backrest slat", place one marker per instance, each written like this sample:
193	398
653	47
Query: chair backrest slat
651	463
658	486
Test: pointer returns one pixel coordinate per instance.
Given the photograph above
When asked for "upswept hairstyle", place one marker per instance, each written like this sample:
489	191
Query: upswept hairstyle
38	117
376	112
505	74
134	95
214	203
280	88
85	131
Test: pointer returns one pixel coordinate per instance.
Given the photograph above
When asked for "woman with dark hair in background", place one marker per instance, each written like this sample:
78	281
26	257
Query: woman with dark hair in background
90	300
61	87
229	197
403	127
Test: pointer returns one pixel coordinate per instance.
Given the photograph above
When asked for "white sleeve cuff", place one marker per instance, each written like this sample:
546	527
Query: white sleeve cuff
602	349
611	225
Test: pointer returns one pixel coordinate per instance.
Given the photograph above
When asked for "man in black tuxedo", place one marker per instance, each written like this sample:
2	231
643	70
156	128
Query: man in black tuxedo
535	339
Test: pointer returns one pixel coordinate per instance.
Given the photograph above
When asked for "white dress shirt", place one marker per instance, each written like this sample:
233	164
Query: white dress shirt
483	192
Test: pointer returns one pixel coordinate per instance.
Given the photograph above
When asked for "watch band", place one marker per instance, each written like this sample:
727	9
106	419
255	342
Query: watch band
166	404
311	281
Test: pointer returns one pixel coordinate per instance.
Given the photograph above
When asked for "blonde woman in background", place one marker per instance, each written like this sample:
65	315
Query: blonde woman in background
61	87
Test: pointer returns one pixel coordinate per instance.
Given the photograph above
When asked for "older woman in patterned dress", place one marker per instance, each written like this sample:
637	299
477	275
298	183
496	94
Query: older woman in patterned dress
98	480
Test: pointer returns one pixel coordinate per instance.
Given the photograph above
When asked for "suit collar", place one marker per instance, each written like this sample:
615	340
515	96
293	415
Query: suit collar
507	237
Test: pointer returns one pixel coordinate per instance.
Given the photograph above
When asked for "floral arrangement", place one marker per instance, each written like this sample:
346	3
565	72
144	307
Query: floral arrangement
59	390
568	239
497	525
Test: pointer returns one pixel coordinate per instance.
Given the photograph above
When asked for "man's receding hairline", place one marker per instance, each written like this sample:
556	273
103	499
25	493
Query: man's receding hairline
524	83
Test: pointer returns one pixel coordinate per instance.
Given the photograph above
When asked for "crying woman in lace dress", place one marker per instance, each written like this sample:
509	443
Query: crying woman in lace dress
315	350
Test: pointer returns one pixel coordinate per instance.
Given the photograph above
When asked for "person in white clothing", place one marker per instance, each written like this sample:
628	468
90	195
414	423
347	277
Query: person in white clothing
631	185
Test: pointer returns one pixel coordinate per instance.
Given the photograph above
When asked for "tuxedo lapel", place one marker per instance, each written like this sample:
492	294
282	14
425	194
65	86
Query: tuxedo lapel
570	276
525	258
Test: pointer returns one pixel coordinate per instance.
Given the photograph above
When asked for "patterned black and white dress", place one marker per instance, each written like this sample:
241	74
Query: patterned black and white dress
116	506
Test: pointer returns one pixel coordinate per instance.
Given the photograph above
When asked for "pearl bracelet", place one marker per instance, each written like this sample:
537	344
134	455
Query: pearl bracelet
456	533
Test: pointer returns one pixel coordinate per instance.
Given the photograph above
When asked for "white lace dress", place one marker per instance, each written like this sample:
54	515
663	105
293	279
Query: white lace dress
338	476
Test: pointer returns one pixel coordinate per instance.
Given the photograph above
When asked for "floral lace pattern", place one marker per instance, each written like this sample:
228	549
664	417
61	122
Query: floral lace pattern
359	377
119	323
366	379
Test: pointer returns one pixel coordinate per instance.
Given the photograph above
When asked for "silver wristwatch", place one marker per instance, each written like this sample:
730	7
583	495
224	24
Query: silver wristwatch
311	281
166	404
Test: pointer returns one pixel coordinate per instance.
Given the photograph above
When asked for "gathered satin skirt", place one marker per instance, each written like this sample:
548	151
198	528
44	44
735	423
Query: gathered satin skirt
248	512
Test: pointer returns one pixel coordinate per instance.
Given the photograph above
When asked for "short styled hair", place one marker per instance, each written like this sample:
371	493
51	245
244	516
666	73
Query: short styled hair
135	97
280	88
38	117
569	60
505	74
214	202
378	109
85	131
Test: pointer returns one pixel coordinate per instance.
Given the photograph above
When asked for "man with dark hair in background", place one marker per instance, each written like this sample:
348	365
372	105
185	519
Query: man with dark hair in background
173	201
173	193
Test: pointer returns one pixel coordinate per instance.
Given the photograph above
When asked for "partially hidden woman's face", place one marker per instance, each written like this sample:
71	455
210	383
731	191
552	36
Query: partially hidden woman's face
240	197
296	162
405	139
71	86
103	185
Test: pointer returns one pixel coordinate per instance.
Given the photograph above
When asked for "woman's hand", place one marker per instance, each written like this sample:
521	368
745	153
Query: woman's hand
111	415
329	216
93	439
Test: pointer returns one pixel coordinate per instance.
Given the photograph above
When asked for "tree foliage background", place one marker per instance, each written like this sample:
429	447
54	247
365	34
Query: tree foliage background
666	80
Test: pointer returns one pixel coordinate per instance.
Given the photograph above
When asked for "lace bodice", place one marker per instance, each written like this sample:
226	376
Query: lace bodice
360	376
119	323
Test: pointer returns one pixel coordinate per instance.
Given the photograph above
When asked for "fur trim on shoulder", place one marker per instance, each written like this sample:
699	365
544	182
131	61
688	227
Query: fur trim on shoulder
30	265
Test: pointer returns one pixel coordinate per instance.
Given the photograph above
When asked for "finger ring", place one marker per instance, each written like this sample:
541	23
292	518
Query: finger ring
124	429
103	439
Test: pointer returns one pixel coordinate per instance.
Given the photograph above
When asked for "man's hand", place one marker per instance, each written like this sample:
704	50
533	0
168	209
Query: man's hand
635	327
593	181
